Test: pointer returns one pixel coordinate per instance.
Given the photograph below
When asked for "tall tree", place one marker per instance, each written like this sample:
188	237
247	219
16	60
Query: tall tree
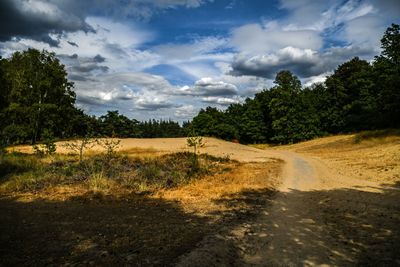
283	106
350	90
387	75
39	96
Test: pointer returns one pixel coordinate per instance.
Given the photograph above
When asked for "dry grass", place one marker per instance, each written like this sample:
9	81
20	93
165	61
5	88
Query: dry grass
140	152
204	196
141	209
370	156
99	184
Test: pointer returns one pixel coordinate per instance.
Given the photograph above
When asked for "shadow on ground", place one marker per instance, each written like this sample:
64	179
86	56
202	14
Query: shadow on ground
105	232
337	227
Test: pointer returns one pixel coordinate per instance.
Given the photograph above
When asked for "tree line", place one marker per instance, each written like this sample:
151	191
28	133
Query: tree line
358	96
37	99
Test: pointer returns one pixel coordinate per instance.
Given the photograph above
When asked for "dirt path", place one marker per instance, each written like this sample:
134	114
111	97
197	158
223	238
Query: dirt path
317	218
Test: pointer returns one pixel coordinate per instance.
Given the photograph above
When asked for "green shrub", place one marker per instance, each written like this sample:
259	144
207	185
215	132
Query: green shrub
48	147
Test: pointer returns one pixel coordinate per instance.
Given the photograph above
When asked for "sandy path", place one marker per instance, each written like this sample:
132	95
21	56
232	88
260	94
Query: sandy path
317	218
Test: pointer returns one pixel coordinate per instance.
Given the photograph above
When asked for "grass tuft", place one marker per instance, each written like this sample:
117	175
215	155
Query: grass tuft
98	183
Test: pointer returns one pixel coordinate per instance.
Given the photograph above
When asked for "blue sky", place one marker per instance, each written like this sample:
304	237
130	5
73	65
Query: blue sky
169	58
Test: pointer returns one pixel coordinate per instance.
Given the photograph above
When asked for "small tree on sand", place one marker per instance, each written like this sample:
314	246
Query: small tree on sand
80	145
195	142
110	145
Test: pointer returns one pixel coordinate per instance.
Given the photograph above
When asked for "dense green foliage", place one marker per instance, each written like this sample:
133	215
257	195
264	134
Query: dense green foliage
36	99
35	95
358	96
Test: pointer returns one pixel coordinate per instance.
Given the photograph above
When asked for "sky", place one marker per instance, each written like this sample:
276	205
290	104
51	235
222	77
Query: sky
167	59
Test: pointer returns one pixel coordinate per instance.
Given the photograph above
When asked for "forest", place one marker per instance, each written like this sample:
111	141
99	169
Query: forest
37	100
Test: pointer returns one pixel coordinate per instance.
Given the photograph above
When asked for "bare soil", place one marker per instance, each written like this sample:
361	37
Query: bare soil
323	215
70	225
335	203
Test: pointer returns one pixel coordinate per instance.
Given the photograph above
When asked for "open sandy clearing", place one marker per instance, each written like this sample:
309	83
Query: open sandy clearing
319	217
69	225
212	146
323	214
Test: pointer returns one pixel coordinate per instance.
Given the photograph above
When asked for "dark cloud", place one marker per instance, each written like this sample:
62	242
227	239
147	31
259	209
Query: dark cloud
73	44
302	62
81	68
89	68
38	20
99	59
88	100
124	97
148	105
74	56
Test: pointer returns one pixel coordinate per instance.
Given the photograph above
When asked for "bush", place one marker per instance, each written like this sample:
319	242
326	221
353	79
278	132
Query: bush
48	147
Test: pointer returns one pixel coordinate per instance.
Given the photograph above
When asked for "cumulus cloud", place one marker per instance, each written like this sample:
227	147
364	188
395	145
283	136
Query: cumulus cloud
138	94
256	39
209	87
107	49
82	68
315	79
302	62
116	87
38	19
186	111
224	101
155	103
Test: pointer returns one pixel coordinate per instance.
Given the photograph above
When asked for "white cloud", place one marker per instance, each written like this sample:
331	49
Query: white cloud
307	41
147	102
224	101
320	15
253	39
366	30
302	62
354	22
122	86
315	79
208	87
186	112
187	51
